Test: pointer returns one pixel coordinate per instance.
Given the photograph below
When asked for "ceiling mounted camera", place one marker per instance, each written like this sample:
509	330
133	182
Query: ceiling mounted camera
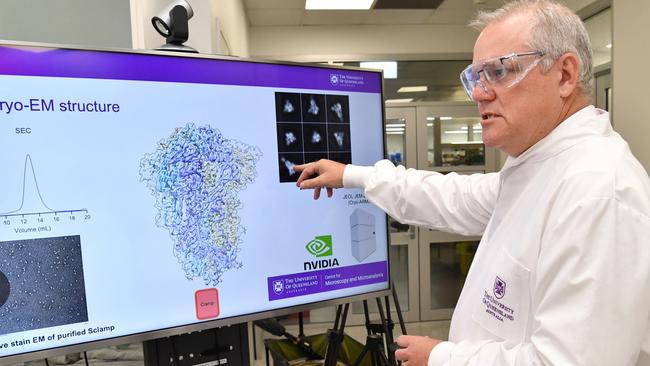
172	23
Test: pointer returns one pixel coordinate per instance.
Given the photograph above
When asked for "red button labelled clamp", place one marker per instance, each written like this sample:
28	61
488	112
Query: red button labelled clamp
207	303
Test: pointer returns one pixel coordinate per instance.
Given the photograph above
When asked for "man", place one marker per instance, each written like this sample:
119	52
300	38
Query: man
562	273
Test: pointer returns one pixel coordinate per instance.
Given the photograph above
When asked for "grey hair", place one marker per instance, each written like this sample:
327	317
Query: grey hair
555	31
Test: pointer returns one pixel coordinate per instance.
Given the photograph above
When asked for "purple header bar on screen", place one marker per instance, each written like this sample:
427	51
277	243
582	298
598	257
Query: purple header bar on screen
324	280
37	61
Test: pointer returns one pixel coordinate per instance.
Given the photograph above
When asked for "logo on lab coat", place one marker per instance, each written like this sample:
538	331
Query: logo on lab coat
499	288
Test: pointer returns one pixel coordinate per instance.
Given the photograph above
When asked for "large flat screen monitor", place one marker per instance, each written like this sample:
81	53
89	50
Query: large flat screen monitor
144	194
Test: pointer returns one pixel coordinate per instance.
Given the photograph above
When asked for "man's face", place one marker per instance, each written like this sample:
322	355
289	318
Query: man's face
515	118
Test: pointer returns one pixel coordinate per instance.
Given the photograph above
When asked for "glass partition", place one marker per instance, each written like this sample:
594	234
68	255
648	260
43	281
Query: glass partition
396	140
449	266
454	141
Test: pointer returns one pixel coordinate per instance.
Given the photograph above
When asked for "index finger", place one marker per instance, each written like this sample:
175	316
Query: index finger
308	171
402	341
301	167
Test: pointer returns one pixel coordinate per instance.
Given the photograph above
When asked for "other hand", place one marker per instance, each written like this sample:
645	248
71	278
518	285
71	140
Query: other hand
415	350
320	174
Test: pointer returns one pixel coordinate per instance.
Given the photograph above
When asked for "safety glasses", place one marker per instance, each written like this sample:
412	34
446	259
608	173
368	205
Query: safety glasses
505	71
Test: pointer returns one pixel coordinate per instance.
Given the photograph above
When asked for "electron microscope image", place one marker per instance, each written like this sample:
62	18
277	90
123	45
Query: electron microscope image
311	157
341	157
290	138
287	107
41	284
286	164
5	287
338	109
315	137
195	176
313	108
339	137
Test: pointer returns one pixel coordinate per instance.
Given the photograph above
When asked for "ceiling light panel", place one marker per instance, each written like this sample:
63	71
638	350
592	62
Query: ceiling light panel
405	100
413	89
389	67
338	4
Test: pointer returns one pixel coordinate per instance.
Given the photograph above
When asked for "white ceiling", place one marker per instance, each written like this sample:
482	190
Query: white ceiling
293	13
440	76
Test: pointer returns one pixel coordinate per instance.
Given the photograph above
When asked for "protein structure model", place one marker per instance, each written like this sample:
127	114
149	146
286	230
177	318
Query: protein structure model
195	176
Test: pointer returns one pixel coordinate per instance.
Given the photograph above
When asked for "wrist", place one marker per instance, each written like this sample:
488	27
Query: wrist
441	353
355	176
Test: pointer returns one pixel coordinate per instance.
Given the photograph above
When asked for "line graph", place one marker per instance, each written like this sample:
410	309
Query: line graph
44	208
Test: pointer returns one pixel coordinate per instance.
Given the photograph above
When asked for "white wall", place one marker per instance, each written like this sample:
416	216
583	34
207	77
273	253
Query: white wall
232	21
362	42
71	22
218	26
631	76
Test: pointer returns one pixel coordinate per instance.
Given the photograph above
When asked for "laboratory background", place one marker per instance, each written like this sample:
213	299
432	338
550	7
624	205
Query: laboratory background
430	123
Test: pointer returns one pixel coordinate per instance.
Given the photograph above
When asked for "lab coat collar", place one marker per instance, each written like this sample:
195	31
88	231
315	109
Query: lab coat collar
586	122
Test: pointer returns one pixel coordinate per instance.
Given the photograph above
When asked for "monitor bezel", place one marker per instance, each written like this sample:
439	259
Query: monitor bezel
170	331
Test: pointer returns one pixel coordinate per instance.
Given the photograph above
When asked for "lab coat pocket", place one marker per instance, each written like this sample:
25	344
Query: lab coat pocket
502	307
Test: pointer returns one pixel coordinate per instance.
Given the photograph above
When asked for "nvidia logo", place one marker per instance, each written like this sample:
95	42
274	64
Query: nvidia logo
321	246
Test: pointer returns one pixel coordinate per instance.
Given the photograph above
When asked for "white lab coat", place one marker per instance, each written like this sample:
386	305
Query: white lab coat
562	273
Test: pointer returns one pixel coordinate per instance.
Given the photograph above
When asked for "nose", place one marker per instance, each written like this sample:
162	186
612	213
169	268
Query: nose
482	92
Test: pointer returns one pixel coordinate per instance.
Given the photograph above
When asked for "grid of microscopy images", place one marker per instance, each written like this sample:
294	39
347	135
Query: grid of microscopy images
311	127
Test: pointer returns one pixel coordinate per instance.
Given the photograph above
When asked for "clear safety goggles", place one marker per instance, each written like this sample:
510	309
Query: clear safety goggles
505	71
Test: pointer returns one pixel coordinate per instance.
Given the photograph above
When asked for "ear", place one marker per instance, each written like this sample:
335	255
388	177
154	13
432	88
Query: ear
569	67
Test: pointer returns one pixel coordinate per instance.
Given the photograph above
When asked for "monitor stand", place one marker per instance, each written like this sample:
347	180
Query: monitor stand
227	345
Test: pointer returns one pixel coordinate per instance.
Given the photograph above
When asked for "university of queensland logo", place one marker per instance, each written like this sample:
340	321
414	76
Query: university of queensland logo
499	288
334	79
278	286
